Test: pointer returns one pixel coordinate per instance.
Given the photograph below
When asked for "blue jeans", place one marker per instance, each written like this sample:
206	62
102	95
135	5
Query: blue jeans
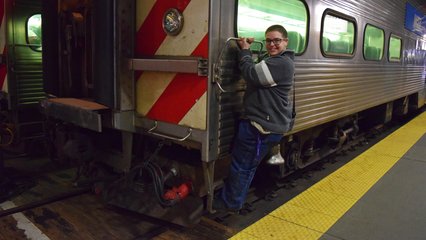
250	147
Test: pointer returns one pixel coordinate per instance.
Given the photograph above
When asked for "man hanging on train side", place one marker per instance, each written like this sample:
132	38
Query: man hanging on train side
267	114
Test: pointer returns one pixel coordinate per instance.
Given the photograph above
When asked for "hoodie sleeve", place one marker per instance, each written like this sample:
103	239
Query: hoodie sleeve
266	73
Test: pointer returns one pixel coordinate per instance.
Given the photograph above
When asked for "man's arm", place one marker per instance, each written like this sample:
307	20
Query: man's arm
264	74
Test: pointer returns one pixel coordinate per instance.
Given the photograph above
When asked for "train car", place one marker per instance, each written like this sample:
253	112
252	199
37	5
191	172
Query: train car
152	89
21	80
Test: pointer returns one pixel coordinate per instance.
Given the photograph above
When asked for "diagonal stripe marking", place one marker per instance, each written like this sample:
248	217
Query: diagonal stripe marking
143	8
151	34
181	94
178	98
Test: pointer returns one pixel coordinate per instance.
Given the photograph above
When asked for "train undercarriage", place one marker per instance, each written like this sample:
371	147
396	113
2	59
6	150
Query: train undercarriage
167	180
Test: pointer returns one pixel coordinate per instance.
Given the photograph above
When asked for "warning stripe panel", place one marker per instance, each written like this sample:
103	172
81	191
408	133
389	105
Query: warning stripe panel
142	12
150	35
173	97
178	98
193	117
149	88
194	31
203	48
180	95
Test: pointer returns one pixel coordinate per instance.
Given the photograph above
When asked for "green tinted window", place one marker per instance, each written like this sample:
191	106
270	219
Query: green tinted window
338	36
374	40
255	16
395	44
34	31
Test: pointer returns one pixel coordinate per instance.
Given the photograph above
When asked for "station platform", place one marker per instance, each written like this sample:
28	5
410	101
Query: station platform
378	195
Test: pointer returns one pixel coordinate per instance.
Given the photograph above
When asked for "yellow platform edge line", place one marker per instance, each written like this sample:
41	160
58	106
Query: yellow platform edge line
310	214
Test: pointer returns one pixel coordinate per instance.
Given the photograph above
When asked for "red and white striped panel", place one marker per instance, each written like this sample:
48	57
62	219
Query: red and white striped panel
176	98
3	66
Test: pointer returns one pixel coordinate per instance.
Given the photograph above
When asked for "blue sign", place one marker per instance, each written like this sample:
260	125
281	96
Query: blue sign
415	21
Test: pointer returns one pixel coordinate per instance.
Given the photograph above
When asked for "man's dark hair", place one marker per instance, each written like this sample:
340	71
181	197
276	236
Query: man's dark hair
277	28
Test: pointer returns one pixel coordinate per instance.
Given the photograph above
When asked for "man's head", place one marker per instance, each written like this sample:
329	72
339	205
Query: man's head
276	39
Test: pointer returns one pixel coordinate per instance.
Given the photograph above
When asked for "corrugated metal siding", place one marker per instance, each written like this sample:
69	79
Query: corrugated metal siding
29	82
229	111
327	92
230	102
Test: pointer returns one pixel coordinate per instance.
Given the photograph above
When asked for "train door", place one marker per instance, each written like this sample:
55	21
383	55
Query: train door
22	23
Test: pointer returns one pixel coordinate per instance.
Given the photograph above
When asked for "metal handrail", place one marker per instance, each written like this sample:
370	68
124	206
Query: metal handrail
151	131
220	57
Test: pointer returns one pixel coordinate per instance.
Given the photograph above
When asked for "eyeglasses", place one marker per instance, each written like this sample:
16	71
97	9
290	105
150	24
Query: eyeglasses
276	41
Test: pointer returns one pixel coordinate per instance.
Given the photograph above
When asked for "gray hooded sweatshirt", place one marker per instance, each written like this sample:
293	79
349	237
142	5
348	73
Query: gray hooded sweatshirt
268	97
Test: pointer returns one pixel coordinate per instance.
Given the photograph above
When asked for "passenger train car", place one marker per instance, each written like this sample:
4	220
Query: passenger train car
152	89
21	83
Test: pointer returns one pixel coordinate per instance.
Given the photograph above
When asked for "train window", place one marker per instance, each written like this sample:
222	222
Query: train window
395	45
255	16
33	33
338	36
374	40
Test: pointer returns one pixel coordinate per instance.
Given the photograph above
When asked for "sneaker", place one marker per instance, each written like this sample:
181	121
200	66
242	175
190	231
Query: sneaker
220	206
276	159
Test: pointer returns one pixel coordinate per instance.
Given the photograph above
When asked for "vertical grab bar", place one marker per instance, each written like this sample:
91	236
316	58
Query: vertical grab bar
216	78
